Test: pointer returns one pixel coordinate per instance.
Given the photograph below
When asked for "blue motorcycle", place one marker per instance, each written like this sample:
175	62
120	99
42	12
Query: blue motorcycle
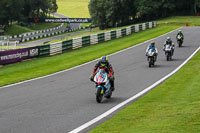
168	52
103	85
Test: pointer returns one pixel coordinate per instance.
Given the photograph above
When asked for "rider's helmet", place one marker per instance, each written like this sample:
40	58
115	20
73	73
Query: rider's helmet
168	39
104	61
153	43
179	31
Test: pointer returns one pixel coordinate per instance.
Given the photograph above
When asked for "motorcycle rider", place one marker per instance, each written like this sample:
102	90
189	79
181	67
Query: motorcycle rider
181	34
105	65
153	47
169	42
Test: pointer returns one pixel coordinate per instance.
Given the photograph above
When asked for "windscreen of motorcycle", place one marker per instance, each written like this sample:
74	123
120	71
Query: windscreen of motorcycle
167	47
151	52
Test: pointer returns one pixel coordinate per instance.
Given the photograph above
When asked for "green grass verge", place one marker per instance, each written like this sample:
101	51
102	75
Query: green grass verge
85	24
41	26
17	29
74	8
39	67
10	47
181	21
172	107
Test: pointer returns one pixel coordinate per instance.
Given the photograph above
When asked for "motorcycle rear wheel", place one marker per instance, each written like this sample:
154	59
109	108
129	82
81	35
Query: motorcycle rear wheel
109	95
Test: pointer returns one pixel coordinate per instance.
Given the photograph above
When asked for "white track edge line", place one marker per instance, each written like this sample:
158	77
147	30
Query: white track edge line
85	63
84	126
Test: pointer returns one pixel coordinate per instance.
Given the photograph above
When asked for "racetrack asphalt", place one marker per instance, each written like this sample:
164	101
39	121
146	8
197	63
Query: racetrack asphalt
71	25
63	102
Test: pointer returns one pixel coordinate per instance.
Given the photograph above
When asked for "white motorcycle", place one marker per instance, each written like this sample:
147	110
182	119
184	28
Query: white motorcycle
151	57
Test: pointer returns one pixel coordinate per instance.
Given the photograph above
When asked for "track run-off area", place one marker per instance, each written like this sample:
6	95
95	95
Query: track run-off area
64	101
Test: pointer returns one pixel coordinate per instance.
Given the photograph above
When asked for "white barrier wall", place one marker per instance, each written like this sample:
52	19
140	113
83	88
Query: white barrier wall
150	24
128	30
137	28
107	36
94	39
119	33
56	48
144	26
77	43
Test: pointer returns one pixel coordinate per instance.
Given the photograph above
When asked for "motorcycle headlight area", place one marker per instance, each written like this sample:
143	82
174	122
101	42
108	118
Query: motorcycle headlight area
101	83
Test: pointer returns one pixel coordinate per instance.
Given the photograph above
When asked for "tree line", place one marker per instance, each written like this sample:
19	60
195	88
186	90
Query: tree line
20	10
113	13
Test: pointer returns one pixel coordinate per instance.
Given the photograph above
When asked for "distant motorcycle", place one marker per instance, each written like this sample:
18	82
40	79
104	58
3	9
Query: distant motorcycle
179	40
168	52
151	57
103	85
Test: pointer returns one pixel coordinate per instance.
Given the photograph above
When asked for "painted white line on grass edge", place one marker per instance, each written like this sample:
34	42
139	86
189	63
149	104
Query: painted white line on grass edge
86	63
84	126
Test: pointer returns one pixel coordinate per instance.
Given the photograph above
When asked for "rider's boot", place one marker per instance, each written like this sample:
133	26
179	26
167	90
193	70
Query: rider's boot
155	58
112	85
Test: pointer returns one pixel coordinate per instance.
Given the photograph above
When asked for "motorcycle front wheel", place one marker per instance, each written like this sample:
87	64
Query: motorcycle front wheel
179	43
150	62
167	56
99	95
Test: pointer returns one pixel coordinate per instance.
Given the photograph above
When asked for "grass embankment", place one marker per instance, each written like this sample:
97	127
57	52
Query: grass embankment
181	21
16	29
43	66
85	25
74	8
172	107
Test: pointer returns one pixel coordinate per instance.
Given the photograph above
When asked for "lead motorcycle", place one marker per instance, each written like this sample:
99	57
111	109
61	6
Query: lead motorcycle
168	52
151	57
103	85
179	40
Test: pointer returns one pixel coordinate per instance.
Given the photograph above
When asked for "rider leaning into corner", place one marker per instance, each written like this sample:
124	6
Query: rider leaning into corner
169	42
181	34
153	47
105	65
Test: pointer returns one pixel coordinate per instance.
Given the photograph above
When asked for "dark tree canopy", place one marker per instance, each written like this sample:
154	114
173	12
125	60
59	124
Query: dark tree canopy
111	13
21	10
